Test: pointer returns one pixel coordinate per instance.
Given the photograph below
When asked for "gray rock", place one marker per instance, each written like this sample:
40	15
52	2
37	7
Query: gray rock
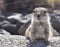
12	28
54	42
4	32
21	41
56	11
13	41
20	17
15	16
2	18
55	33
4	22
55	21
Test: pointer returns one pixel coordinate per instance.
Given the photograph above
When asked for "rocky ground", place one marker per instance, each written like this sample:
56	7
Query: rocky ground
21	41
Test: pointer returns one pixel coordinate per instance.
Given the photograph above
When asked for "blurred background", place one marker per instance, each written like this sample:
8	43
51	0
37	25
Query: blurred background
26	6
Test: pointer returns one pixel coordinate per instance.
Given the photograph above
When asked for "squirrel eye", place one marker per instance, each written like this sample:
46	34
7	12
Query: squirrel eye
45	11
34	11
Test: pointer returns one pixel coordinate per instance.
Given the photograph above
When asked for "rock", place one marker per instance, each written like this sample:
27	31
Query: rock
15	17
3	22
12	28
54	42
13	41
55	21
56	11
21	41
55	33
19	17
2	18
4	32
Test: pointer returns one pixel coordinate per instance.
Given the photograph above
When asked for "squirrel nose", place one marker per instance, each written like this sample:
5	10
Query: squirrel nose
38	15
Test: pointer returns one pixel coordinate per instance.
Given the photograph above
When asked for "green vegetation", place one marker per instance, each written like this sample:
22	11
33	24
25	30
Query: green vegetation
52	1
